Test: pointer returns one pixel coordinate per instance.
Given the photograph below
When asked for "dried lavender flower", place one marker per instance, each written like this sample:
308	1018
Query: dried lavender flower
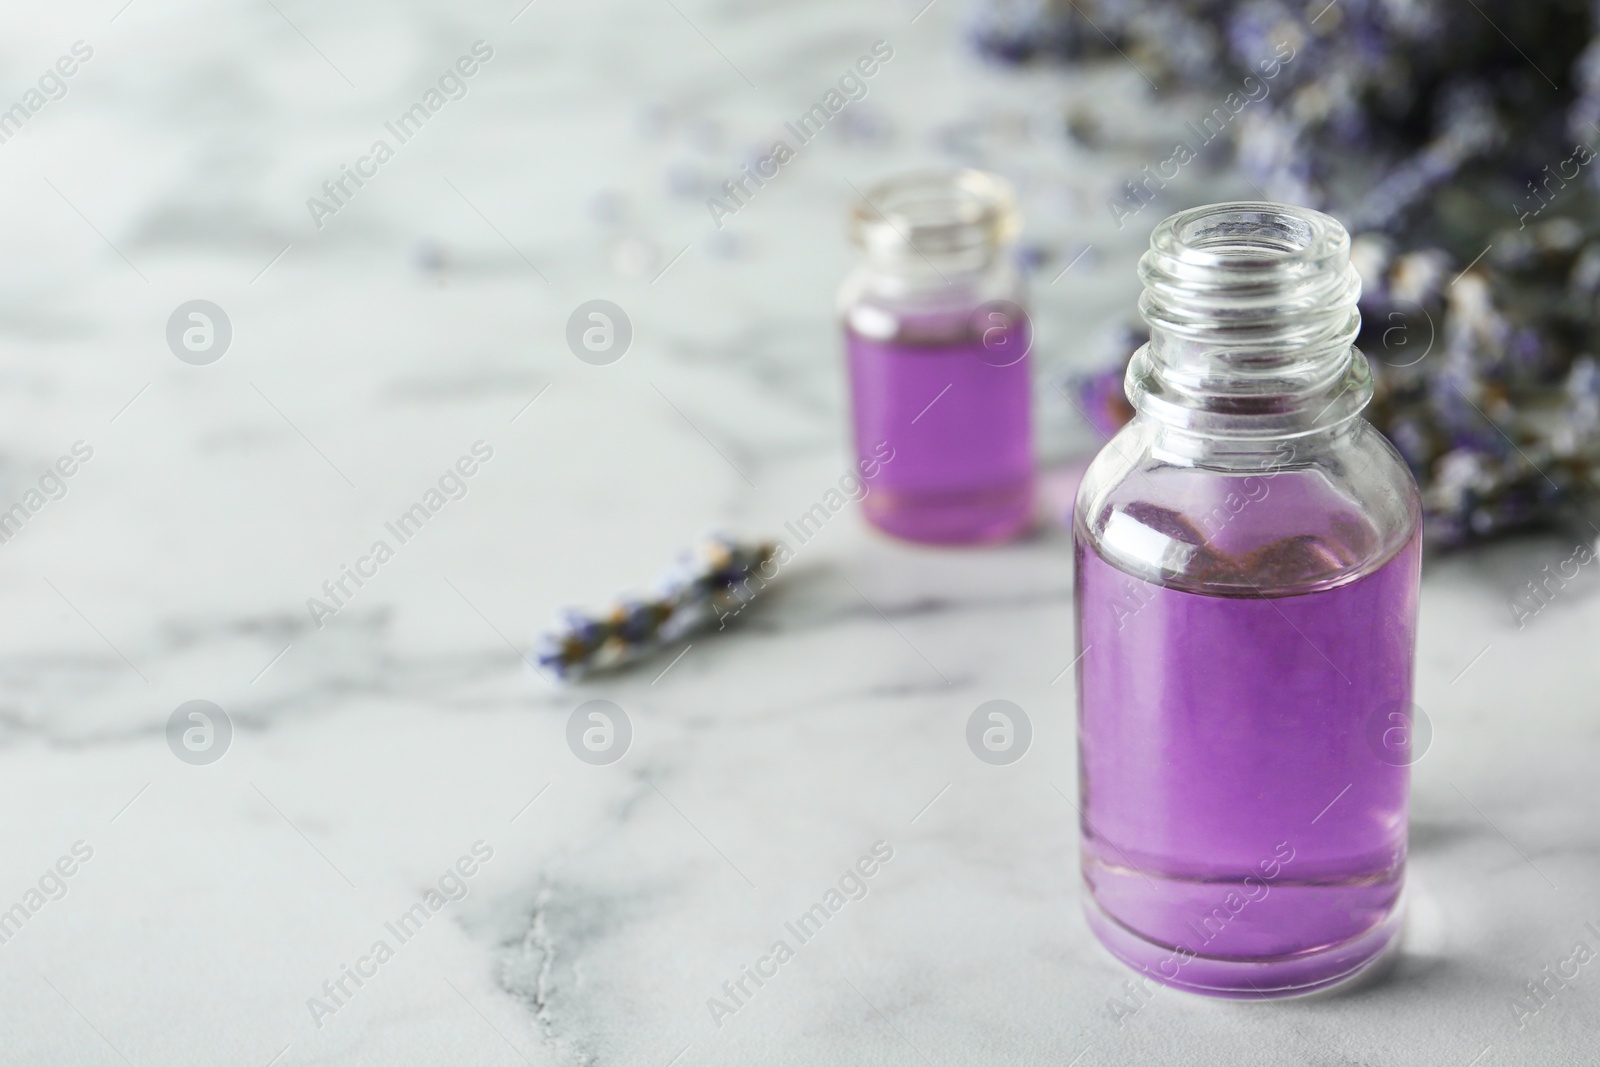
708	582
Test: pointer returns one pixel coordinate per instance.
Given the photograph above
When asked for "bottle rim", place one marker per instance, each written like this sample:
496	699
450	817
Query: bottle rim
932	213
1242	237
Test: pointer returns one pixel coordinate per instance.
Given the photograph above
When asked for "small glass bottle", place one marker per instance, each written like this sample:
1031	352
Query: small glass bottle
1247	559
937	342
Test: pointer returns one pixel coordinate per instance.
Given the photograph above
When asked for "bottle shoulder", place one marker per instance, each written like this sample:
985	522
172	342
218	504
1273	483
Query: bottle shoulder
1296	515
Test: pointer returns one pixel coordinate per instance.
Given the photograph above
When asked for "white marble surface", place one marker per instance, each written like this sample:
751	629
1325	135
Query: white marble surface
369	755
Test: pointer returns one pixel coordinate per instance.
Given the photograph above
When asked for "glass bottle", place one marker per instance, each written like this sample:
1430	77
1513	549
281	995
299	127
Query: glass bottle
1247	564
937	342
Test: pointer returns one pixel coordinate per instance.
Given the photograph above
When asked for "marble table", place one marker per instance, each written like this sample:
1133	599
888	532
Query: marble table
386	770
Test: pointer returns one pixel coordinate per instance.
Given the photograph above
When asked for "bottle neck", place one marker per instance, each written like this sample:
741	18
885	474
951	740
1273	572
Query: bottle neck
1180	446
1252	315
942	280
933	235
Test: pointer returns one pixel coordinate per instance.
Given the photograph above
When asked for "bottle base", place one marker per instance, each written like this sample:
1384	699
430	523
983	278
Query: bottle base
1320	970
955	517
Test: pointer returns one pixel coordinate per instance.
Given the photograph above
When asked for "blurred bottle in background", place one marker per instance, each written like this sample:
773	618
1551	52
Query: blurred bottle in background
937	340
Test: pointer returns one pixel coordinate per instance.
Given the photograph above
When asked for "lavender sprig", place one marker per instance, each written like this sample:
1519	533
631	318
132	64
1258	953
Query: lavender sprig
709	581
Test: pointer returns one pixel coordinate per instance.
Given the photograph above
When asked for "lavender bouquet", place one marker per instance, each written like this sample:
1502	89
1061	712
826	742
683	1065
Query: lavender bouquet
1456	139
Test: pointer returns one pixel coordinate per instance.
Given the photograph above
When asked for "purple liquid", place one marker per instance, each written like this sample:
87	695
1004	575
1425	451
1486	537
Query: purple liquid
960	428
1241	834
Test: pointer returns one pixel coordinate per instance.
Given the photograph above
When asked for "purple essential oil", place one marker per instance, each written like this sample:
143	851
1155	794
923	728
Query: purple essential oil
963	468
1234	807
